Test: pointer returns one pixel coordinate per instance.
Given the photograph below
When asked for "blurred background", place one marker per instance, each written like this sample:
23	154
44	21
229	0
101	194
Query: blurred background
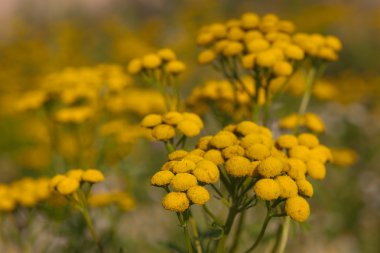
42	38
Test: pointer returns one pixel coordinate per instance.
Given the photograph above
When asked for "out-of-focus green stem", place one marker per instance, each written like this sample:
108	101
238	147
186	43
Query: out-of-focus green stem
310	80
284	235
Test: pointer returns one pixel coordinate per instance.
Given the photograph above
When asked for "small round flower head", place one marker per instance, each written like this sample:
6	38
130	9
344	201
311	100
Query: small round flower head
333	42
151	120
177	155
235	34
193	157
197	151
314	123
321	153
151	61
55	181
305	188
247	127
203	142
205	38
297	208
258	152
267	189
162	178
163	132
193	117
168	165
327	54
249	20
233	48
206	56
166	54
198	195
270	167
316	169
183	181
175	67
206	172
7	203
214	156
266	59
183	166
300	152
176	201
282	68
172	118
287	186
223	139
218	30
294	52
93	176
189	128
248	61
238	166
67	186
297	168
250	140
234	150
76	174
287	141
308	140
134	66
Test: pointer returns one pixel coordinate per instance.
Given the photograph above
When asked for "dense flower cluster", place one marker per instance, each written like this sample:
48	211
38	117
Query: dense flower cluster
309	120
26	192
163	127
184	176
122	199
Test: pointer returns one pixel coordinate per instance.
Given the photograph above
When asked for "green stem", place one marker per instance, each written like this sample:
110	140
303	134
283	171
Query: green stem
239	230
87	218
209	213
198	246
169	147
227	228
310	79
284	235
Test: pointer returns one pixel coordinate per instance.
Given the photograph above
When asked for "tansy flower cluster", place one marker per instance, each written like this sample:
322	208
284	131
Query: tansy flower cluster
163	127
309	120
344	157
68	184
184	177
26	192
163	62
122	199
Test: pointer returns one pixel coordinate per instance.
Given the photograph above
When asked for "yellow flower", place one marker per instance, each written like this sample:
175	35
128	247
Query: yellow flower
282	68
238	166
327	54
308	140
183	166
289	122
344	157
223	139
266	59
235	34
314	123
151	120
248	61
247	127
252	35
300	152
198	195
205	38
249	20
233	48
297	169
151	61
177	155
321	153
55	181
214	156
270	167
193	117
197	151
193	157
258	152
257	46
7	203
218	30
206	56
297	208
166	54
172	118
316	169
234	150
206	172
93	176
183	181
76	174
294	52
162	178
134	66
305	188
163	132
267	189
288	188
175	67
333	42
67	186
287	141
189	128
168	165
176	201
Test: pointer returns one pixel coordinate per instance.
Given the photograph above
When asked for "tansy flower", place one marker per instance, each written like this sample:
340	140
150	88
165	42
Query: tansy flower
55	181
214	156
183	181
288	188
267	189
189	128
162	178
163	132
175	67
297	169
238	166
305	188
266	59
297	208
134	66
183	166
176	201
76	174
206	56
282	68
258	152
308	140
234	150
316	169
151	120
177	155
287	141
166	54
67	186
93	176
151	61
206	172
270	167
223	139
172	118
300	152
203	142
198	195
247	127
249	20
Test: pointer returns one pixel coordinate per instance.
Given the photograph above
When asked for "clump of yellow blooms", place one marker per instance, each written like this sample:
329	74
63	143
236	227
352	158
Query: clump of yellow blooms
184	176
120	198
26	192
309	120
164	127
344	157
